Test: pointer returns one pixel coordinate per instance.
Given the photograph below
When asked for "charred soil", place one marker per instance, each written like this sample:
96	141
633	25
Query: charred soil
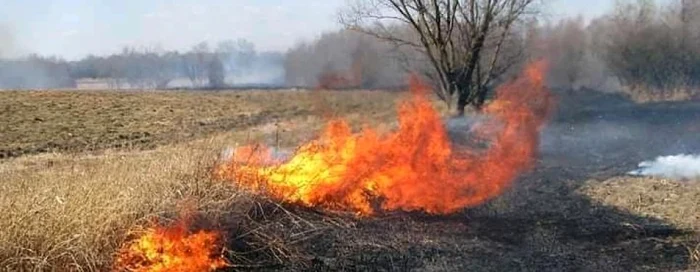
577	211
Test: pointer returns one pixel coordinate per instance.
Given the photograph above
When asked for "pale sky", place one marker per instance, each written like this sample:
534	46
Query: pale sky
75	28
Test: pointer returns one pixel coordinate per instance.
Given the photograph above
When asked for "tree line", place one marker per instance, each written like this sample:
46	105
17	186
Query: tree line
230	62
465	48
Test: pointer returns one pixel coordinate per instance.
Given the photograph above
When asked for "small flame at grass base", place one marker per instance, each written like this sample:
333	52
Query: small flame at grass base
172	248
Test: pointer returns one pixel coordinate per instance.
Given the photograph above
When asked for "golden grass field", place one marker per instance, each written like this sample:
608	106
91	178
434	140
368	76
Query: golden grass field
71	210
81	170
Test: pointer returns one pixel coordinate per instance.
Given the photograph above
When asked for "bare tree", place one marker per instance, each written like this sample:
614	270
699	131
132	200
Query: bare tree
196	63
344	59
452	35
653	49
165	69
216	73
566	47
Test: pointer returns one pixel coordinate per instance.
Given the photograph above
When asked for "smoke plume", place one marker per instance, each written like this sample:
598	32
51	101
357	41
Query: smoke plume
8	45
675	167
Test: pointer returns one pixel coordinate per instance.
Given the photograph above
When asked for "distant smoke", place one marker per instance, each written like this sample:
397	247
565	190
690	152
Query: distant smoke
675	167
8	46
245	66
4	41
266	68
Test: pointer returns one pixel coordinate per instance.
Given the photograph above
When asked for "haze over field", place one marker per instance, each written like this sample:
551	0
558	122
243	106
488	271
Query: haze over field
274	43
77	28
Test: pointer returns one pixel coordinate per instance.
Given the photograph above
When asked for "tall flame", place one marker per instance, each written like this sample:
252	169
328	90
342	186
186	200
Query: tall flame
171	248
413	168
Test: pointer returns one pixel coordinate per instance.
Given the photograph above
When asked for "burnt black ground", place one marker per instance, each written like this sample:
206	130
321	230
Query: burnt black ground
543	223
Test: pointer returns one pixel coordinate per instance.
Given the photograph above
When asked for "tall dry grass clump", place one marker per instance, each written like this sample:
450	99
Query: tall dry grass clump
75	216
73	212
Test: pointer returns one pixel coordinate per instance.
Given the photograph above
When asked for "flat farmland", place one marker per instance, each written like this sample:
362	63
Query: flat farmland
35	122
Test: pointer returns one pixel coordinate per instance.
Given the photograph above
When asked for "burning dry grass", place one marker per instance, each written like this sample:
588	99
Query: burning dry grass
74	211
76	214
172	248
415	167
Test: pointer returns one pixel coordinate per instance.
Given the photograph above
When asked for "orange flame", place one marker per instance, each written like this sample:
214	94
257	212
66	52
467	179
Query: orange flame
413	168
171	248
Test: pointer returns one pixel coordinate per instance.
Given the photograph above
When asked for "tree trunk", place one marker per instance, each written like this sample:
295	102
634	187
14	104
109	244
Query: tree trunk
462	100
467	97
480	98
465	91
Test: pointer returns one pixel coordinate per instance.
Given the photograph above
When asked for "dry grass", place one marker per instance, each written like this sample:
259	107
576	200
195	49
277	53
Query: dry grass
74	216
72	211
48	121
672	201
694	253
647	95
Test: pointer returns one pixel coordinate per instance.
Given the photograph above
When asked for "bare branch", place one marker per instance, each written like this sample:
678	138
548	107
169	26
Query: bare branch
451	34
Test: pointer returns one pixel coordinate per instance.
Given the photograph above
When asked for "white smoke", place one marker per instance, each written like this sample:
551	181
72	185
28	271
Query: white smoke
676	167
8	43
227	154
278	154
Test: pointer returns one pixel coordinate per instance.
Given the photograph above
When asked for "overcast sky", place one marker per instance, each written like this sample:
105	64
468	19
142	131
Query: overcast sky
75	28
